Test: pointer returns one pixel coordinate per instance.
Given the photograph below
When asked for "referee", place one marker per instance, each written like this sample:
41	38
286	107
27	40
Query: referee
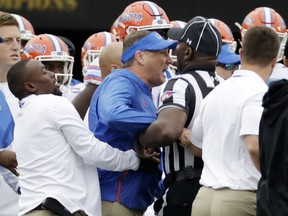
180	99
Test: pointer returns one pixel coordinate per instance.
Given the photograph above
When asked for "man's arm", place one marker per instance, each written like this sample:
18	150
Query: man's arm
177	99
194	150
8	160
252	144
251	116
83	142
92	80
82	101
186	143
166	129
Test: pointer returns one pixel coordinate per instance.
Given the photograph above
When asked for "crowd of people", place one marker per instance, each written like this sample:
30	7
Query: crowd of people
173	116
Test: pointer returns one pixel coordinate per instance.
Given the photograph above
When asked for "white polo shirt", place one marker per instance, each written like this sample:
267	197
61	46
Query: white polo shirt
279	72
51	143
231	110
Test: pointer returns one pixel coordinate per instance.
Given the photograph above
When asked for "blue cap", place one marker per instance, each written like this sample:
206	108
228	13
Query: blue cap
228	55
151	42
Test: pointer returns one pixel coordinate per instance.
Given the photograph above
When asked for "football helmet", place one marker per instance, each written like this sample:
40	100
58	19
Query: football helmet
172	53
48	48
225	31
26	30
114	29
142	15
93	46
265	16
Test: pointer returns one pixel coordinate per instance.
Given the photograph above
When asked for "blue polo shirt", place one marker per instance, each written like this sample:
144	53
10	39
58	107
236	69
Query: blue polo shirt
121	107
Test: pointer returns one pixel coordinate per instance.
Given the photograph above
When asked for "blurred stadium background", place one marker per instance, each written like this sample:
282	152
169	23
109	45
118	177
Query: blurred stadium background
78	19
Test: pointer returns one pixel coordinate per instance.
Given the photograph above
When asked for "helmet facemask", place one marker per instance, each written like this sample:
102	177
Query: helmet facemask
90	55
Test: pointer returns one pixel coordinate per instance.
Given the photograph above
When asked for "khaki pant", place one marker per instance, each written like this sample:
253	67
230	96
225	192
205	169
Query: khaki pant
117	209
224	202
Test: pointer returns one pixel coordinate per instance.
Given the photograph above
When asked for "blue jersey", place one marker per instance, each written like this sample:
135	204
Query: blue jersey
6	123
121	107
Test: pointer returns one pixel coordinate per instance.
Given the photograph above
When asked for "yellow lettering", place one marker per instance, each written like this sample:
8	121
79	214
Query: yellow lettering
72	4
6	4
65	5
20	3
59	5
46	5
37	4
31	5
40	5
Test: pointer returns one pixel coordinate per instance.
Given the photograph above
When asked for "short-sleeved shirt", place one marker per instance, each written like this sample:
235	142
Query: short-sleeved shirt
231	110
185	92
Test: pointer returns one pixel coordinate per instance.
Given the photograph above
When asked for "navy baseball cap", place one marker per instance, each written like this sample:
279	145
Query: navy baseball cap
199	34
228	55
151	42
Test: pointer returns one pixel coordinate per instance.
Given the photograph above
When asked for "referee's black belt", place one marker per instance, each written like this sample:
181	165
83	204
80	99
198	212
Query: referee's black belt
186	174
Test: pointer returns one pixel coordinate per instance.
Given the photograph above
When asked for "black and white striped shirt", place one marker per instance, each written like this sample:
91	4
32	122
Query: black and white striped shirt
185	92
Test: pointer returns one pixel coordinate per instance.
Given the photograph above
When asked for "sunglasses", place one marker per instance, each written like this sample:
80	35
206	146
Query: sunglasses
228	66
